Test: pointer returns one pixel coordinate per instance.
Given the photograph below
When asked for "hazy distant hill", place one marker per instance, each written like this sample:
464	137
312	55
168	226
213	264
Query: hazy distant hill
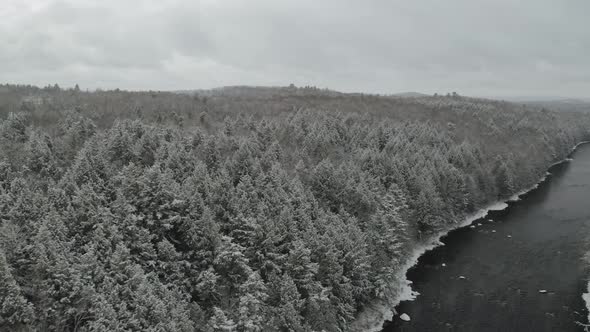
261	91
556	103
410	94
273	91
578	105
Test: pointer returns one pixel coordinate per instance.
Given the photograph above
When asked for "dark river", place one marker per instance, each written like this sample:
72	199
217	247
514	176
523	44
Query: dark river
548	230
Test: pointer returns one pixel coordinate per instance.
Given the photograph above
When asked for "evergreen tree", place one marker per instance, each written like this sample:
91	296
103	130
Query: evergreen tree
252	308
15	311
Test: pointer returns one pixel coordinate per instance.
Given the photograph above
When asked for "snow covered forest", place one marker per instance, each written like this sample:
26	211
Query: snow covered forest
241	209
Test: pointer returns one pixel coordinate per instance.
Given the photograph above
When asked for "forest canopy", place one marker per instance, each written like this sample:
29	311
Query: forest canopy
241	209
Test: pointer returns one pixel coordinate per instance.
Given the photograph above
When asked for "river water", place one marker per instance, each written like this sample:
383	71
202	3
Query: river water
537	243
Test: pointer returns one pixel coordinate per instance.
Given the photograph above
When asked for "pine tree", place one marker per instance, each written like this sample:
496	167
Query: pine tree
15	311
504	179
285	303
252	309
231	265
219	322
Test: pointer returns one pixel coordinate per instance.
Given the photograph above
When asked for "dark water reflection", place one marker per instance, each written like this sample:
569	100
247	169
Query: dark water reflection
538	244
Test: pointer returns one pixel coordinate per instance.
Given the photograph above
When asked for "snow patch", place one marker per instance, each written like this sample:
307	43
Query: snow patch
586	297
404	317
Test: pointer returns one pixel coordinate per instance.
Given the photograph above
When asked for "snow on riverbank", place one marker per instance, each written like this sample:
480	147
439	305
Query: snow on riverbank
586	297
372	317
515	197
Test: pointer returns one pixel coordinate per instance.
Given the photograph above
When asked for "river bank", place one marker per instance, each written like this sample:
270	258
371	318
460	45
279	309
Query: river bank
373	317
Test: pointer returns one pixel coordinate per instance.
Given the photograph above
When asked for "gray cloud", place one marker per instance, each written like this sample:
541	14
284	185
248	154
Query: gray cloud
481	47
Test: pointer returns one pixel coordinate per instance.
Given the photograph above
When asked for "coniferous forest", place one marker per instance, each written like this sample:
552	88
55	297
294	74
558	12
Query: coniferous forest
241	209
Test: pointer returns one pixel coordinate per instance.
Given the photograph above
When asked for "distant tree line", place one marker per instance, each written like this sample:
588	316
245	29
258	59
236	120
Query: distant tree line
126	211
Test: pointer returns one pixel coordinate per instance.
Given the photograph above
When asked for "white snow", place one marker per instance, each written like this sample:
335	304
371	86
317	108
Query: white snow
372	317
471	226
493	231
508	235
443	264
462	277
516	197
542	291
586	297
177	202
404	317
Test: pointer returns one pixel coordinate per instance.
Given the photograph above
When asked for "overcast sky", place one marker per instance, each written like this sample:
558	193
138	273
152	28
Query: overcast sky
474	47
